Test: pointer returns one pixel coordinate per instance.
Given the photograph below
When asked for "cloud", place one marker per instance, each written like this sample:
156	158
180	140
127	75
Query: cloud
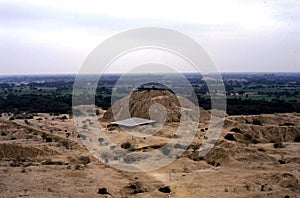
261	35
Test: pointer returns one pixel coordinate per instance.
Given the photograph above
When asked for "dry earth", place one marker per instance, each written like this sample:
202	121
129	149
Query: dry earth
255	156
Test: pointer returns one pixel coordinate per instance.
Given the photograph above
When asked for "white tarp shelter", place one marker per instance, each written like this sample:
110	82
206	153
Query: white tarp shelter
132	122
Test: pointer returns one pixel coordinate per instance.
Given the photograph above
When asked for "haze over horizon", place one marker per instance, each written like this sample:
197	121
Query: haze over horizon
53	37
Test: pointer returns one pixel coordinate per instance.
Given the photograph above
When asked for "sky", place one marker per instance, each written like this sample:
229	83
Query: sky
50	37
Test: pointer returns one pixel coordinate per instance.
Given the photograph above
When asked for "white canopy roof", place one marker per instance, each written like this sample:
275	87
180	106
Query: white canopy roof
134	121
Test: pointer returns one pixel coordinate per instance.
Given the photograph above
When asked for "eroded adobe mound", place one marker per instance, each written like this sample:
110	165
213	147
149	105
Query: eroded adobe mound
12	151
150	104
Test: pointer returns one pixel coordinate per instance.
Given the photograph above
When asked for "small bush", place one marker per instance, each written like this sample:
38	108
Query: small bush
129	159
194	146
254	141
165	189
102	191
100	140
179	146
126	145
50	162
165	151
82	136
78	167
287	124
248	136
278	145
85	159
3	133
282	161
256	122
135	188
213	163
15	163
236	130
297	139
229	137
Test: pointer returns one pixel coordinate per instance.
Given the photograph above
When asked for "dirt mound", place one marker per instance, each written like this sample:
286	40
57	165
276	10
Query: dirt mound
263	128
287	180
281	119
266	134
150	104
12	151
226	152
269	182
218	156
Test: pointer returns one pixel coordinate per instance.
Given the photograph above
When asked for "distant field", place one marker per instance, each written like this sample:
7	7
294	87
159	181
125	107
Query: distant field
247	93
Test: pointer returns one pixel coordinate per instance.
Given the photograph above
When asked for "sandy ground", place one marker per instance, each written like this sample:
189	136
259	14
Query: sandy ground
245	164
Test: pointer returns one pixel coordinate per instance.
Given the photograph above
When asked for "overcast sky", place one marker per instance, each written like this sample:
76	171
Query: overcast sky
240	35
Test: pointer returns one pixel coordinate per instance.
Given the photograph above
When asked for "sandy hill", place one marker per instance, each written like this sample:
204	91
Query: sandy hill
150	104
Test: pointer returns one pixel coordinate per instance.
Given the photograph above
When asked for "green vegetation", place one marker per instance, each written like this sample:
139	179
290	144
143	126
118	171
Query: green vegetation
247	93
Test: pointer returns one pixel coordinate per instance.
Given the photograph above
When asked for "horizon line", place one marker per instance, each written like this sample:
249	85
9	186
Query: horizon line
116	73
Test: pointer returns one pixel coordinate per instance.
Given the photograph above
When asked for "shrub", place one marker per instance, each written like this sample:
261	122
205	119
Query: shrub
105	157
194	146
82	136
248	136
135	188
287	124
16	163
165	151
100	140
213	163
229	137
44	136
278	145
85	159
126	145
63	118
297	139
65	144
3	133
256	122
236	130
129	159
78	167
282	161
85	126
254	141
179	146
102	191
165	189
50	162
